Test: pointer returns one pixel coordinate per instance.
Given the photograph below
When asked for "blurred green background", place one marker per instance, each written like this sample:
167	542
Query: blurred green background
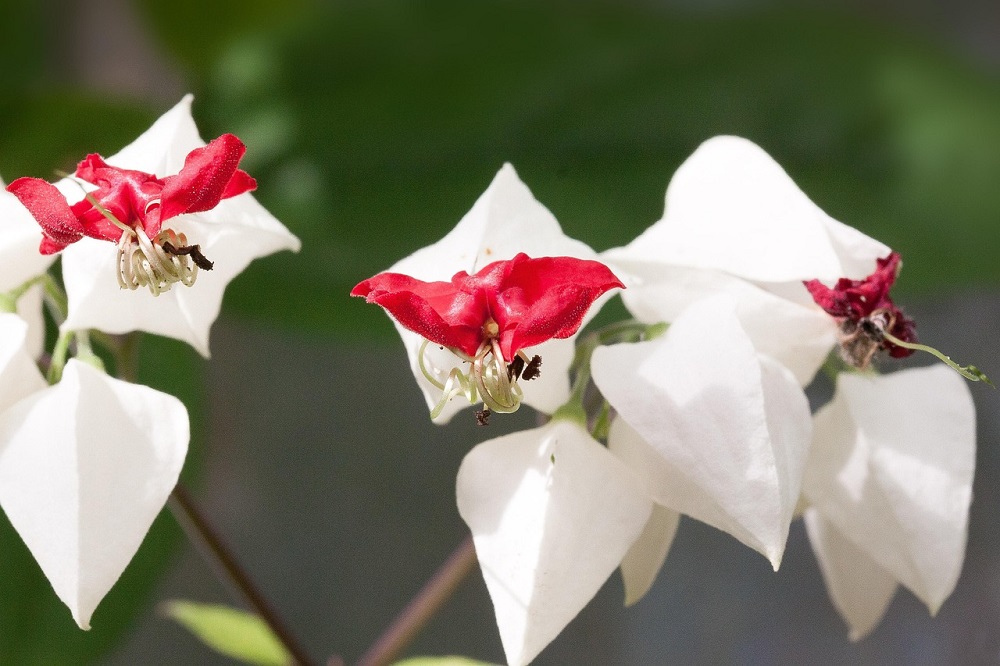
372	127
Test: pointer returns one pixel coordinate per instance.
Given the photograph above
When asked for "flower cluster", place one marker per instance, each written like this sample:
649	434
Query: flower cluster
740	293
87	461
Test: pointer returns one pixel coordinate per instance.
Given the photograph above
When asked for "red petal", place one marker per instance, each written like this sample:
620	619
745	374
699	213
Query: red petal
125	193
49	208
210	174
547	298
531	301
437	311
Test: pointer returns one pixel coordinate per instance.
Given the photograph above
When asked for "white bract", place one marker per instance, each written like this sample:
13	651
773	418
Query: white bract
20	235
504	221
735	223
552	514
85	467
19	376
715	430
889	483
232	234
21	261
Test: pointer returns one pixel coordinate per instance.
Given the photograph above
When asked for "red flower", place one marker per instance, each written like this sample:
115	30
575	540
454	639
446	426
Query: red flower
516	303
865	311
136	199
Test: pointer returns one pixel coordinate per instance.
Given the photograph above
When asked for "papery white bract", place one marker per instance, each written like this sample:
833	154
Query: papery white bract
20	259
735	223
552	514
19	376
890	473
715	430
731	207
85	467
232	234
506	220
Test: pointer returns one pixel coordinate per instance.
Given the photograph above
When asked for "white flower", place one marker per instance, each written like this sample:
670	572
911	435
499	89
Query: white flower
19	376
889	483
85	467
231	234
735	223
20	261
715	430
552	514
506	220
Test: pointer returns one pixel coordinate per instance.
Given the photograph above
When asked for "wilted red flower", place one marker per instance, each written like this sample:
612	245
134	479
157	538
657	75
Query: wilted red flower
865	312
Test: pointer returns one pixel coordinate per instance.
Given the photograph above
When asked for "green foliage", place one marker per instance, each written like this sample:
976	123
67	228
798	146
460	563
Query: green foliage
372	127
234	633
381	123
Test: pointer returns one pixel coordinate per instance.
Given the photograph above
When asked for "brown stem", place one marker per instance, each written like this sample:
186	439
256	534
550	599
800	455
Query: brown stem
202	534
422	607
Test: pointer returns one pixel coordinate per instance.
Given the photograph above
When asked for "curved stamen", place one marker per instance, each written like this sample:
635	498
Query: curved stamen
489	379
143	262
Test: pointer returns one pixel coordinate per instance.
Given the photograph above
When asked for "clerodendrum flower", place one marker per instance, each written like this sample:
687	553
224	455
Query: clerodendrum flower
172	205
488	319
736	223
505	221
85	467
552	514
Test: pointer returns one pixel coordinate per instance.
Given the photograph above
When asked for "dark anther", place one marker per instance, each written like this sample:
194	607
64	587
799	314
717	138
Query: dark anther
872	329
533	369
483	416
514	368
200	260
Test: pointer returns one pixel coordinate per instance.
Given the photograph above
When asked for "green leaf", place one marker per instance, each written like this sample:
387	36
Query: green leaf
229	631
442	661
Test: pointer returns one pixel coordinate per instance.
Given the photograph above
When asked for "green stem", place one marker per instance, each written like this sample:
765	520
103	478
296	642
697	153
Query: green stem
623	331
970	372
59	353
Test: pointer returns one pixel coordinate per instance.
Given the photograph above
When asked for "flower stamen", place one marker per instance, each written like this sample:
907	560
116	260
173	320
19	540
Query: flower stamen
157	263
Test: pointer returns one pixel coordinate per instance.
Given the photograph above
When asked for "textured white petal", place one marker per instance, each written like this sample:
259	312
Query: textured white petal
232	234
29	308
20	235
161	149
723	431
795	332
891	467
505	220
19	376
85	467
731	207
860	589
552	513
